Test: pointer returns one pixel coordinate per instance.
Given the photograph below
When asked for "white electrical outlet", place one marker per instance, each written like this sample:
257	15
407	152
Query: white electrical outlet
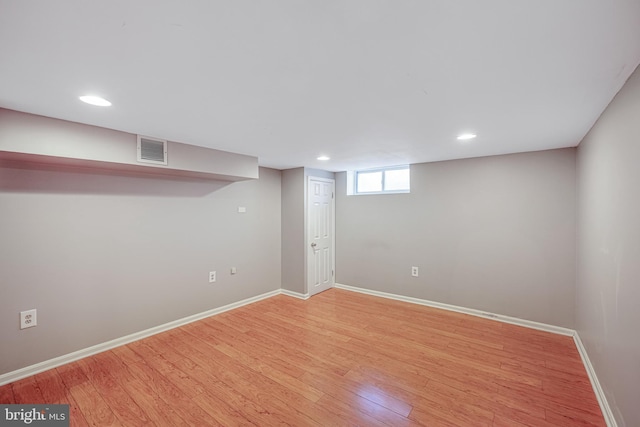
414	271
28	319
212	276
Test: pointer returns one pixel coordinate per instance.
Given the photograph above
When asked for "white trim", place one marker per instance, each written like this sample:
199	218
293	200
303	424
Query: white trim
294	294
499	317
597	388
99	348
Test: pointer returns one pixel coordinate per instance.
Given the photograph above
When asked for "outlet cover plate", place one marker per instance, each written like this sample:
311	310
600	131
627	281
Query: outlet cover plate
28	319
414	271
212	276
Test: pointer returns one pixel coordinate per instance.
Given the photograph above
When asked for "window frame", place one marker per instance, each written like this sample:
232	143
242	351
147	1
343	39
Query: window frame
384	172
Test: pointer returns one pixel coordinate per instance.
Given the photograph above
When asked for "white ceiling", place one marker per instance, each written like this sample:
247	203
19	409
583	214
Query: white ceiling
367	82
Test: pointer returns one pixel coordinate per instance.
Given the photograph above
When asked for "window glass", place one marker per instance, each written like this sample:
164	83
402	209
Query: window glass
396	179
369	182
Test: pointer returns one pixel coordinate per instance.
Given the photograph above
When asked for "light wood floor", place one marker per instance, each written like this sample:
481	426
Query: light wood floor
338	359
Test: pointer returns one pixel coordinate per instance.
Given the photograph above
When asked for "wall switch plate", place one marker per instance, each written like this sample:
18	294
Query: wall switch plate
28	319
212	276
242	209
233	270
414	271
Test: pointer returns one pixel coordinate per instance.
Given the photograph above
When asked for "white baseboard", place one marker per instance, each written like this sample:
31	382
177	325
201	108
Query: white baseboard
499	317
294	294
10	377
597	389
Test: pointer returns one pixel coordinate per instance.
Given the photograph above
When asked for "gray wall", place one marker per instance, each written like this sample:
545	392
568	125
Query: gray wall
102	256
608	290
495	234
293	209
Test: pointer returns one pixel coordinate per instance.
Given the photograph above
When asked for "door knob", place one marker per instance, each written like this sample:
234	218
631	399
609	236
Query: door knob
313	245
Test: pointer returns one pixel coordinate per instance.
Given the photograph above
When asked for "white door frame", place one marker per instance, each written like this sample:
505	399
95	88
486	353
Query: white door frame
309	287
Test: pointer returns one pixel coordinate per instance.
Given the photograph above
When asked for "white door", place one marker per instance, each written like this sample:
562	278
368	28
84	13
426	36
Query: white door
320	234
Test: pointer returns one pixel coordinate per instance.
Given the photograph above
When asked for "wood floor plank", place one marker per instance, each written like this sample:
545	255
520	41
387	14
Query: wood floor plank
339	358
509	416
94	408
203	375
6	395
339	387
550	376
290	383
181	380
489	401
459	407
336	356
183	406
51	386
76	417
54	391
500	420
264	391
293	361
570	417
304	389
156	409
104	380
222	412
396	382
27	391
356	410
434	414
261	353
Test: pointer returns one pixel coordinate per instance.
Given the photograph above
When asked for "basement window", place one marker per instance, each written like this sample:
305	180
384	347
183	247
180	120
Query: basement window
390	180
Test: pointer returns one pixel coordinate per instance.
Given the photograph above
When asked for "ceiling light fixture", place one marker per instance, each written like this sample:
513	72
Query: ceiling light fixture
466	136
324	158
95	100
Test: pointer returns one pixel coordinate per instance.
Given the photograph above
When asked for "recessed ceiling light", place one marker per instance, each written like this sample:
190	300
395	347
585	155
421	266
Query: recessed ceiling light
324	158
95	100
466	136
